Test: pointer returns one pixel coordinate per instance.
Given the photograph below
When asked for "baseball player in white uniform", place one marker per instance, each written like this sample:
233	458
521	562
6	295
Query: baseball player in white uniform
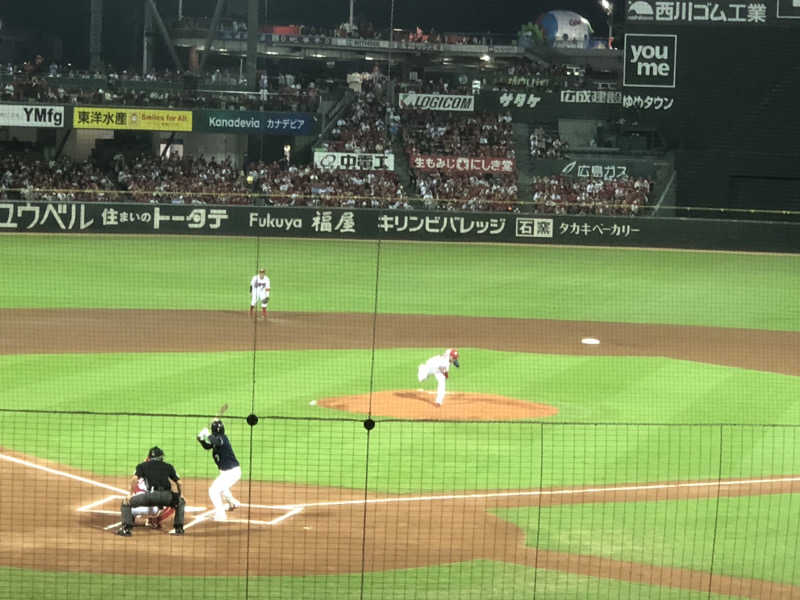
439	367
259	292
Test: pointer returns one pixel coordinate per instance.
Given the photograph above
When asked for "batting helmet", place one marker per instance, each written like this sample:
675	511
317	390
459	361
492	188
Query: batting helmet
155	453
453	353
217	427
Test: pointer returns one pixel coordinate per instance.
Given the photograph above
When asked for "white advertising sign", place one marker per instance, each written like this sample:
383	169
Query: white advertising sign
452	102
353	161
31	115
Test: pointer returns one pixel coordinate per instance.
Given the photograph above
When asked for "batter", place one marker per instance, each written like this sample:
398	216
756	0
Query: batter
230	472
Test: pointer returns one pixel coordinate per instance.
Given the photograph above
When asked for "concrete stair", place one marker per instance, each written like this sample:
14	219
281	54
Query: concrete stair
520	133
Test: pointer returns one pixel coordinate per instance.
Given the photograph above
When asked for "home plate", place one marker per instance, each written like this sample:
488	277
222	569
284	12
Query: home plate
590	341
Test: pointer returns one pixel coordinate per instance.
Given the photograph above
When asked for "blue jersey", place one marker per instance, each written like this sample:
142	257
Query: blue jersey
221	450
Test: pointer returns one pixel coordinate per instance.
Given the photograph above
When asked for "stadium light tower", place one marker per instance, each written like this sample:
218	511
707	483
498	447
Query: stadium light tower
608	8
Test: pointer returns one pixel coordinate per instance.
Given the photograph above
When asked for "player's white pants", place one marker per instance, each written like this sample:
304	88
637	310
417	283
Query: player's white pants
144	511
220	490
257	296
441	381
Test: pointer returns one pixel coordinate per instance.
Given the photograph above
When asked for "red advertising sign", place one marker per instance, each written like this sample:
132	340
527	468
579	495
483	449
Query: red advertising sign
463	164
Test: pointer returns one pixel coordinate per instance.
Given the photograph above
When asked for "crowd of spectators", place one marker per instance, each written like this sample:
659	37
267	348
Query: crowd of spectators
311	186
437	86
33	81
181	180
237	29
562	195
366	125
467	191
546	145
524	75
196	180
25	177
469	134
200	180
460	134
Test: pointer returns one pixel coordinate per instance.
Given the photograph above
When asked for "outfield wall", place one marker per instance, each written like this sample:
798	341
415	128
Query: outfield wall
348	223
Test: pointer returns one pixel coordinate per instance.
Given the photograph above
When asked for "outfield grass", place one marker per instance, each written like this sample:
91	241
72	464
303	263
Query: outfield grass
599	284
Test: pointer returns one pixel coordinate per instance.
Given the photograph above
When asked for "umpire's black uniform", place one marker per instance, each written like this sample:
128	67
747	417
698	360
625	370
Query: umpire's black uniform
158	475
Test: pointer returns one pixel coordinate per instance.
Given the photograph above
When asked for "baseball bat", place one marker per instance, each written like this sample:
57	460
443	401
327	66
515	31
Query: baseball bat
222	410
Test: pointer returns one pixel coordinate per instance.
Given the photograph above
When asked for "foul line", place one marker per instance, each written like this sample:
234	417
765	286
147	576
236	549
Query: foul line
564	492
63	474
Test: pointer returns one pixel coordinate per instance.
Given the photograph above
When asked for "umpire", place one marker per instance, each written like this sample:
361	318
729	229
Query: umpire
157	474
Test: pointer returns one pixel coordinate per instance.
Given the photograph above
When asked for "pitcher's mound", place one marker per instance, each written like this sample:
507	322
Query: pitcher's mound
458	406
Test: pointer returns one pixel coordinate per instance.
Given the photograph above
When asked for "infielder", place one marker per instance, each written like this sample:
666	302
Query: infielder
229	470
259	292
439	367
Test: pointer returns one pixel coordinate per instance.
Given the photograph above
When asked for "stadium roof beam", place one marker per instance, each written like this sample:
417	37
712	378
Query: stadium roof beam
165	34
212	33
252	43
95	34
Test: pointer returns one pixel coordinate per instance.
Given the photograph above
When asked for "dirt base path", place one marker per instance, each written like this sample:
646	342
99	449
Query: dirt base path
24	331
322	533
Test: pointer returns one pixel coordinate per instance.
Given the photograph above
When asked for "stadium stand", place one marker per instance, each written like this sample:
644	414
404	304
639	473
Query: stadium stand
562	195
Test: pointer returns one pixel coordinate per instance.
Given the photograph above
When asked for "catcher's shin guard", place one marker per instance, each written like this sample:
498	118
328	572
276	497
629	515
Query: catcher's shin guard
164	515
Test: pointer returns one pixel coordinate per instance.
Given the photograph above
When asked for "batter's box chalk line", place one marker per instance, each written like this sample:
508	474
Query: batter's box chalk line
98	506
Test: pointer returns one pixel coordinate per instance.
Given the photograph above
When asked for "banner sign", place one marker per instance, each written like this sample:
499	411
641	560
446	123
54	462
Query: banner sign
462	164
521	81
451	102
31	115
720	14
269	123
144	119
568	104
590	97
650	60
145	218
595	167
353	161
647	102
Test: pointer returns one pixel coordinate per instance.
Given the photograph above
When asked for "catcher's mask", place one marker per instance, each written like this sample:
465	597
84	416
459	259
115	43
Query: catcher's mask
217	427
155	453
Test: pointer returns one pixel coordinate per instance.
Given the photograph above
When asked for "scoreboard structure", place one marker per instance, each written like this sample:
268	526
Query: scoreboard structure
721	82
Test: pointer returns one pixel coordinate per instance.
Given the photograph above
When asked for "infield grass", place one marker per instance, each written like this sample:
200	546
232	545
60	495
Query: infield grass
750	537
476	580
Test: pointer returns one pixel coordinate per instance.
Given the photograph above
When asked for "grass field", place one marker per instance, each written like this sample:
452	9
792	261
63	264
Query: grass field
621	419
